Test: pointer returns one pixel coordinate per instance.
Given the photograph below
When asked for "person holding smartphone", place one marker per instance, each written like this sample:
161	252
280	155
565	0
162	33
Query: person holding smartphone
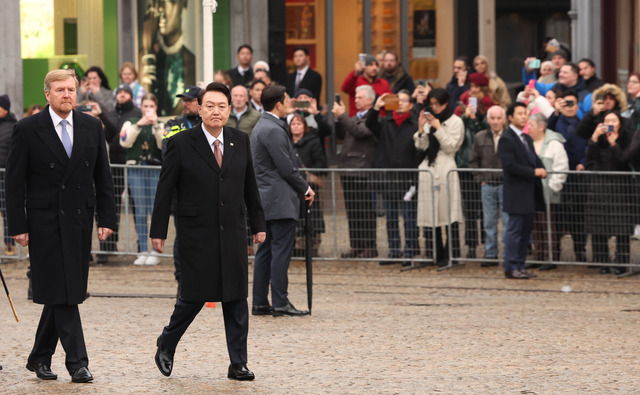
440	135
606	98
143	140
610	198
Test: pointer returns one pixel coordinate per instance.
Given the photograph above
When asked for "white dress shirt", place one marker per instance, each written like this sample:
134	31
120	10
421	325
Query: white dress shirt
56	123
211	139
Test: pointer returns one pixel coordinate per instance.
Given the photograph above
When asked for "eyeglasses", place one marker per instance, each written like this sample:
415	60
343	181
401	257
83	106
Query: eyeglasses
634	82
404	100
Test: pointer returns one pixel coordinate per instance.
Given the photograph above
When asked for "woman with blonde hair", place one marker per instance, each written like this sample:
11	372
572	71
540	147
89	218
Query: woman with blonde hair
497	88
129	75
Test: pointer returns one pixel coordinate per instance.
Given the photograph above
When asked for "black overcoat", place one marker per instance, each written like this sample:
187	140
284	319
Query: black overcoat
60	195
211	212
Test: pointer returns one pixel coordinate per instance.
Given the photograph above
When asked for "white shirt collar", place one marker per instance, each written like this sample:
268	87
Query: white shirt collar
242	71
57	119
303	71
239	114
515	129
272	114
211	139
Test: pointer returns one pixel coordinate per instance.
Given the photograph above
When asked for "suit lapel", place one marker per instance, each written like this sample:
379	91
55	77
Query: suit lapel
230	143
521	148
201	145
47	133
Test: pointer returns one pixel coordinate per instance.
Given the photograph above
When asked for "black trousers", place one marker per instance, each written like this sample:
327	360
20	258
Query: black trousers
361	212
236	326
60	322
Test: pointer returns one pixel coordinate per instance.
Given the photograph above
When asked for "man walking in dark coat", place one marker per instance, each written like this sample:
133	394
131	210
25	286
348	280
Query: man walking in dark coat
522	190
7	122
59	170
281	186
209	168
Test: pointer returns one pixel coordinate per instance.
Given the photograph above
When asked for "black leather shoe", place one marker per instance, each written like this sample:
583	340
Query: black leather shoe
548	266
164	360
42	371
288	309
261	310
102	259
516	275
605	270
239	371
81	375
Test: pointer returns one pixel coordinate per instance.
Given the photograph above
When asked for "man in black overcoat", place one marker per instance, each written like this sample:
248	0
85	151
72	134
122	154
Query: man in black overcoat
522	190
58	168
210	168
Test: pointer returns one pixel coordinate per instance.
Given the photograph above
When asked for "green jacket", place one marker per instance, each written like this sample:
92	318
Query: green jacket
143	144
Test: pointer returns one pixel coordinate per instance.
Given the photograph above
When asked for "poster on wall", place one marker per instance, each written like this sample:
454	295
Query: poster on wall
424	29
166	63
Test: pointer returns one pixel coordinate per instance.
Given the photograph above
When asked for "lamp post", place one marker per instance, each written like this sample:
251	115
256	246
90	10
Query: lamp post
208	9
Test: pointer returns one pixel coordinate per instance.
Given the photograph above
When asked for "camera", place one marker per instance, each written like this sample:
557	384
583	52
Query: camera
569	103
300	104
85	108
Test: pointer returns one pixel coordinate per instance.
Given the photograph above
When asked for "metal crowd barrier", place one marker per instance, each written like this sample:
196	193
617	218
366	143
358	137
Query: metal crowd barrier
387	215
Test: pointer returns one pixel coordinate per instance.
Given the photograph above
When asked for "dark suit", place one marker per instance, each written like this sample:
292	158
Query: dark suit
281	187
211	229
522	195
312	80
60	195
239	79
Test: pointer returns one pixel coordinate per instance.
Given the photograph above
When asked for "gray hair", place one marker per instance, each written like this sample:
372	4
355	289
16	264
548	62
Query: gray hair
497	107
539	119
368	90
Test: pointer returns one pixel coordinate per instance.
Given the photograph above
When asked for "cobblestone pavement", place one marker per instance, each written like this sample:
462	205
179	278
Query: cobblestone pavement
374	330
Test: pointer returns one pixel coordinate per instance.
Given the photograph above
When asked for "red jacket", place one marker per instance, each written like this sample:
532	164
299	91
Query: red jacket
353	81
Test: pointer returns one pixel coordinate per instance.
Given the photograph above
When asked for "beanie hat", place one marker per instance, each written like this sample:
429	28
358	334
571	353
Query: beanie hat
368	59
303	91
562	53
479	79
124	87
5	102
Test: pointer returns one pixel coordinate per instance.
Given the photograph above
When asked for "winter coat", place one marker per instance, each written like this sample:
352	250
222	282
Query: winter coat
610	198
104	97
113	121
434	184
575	146
55	198
554	158
143	144
484	155
212	205
311	156
352	81
399	81
499	91
358	145
6	128
247	120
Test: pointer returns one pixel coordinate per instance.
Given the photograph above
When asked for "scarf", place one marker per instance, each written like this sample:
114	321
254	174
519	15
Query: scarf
399	118
434	144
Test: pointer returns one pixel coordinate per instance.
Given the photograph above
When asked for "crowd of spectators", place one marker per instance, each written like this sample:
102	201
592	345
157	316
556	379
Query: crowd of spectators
576	120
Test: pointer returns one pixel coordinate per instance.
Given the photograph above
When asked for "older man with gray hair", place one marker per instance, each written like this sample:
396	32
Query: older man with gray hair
358	150
242	116
484	155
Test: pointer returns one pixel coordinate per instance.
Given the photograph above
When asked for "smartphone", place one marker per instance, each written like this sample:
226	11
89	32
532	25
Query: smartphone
422	82
609	128
84	108
569	103
300	104
534	64
473	102
149	112
532	84
338	100
427	113
391	102
600	98
361	57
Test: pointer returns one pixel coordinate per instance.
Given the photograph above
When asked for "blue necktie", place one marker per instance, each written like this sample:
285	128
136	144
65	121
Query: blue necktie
66	140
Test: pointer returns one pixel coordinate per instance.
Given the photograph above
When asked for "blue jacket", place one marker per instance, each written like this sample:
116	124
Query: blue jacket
584	96
575	145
